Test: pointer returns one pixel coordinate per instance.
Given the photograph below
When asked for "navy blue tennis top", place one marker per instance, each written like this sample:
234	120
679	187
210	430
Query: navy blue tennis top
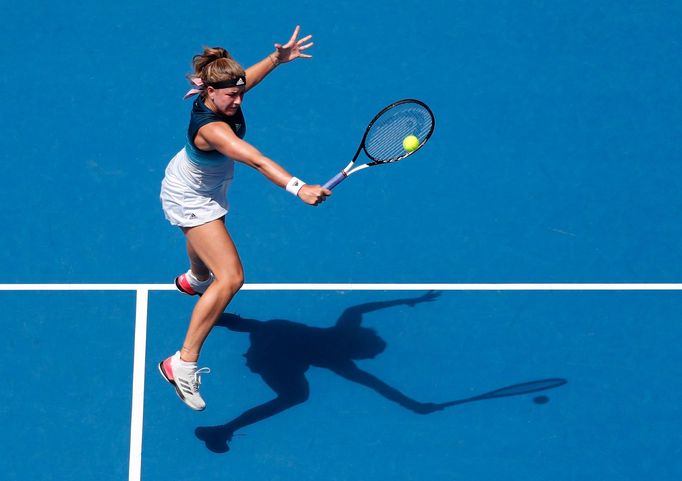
202	115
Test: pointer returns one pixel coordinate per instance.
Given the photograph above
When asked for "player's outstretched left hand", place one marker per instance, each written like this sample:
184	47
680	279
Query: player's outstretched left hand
294	48
314	194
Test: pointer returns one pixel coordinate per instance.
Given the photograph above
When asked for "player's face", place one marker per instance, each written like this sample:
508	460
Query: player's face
227	100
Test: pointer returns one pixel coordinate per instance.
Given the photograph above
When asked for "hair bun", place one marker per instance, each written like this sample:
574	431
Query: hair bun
215	64
215	53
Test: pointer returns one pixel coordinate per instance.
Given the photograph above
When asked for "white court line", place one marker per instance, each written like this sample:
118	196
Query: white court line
137	410
142	290
365	287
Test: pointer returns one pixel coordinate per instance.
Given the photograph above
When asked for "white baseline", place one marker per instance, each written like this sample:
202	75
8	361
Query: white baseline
365	287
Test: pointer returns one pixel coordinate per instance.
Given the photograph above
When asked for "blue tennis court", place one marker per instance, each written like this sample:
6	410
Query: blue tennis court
535	237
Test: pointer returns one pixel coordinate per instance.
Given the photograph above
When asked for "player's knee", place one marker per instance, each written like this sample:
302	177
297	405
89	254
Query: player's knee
229	285
237	281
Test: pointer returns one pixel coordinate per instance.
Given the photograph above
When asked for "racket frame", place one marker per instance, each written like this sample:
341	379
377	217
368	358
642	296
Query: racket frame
349	169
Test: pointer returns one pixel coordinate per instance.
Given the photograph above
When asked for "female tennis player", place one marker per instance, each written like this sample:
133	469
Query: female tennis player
193	195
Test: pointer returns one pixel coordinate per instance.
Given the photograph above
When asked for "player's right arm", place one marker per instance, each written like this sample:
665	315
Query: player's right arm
218	136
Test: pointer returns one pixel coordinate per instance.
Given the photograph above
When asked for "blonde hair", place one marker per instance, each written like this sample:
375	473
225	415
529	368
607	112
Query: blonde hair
215	64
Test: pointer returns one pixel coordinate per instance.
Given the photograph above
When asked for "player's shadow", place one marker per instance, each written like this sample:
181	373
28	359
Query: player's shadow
282	351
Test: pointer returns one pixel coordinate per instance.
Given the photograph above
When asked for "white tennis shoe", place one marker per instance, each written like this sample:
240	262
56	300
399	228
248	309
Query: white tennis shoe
186	379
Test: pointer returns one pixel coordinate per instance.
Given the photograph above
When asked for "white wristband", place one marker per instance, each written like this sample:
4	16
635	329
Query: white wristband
294	185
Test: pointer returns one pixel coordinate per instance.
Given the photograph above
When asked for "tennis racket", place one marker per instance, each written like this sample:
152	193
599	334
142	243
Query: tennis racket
386	137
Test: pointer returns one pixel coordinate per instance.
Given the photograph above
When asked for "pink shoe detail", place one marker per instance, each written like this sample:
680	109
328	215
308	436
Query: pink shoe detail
167	370
183	285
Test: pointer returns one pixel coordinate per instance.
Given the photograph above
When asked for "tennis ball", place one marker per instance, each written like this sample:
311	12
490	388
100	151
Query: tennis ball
410	143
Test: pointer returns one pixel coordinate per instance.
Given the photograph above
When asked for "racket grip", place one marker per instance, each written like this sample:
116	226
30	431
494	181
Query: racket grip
334	181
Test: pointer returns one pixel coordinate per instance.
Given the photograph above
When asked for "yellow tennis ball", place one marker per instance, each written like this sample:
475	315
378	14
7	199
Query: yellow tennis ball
410	143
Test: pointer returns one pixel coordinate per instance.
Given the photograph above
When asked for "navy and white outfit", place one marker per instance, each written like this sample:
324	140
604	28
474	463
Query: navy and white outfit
194	189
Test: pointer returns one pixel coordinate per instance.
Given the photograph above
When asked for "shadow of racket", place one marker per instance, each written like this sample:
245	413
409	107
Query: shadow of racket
514	390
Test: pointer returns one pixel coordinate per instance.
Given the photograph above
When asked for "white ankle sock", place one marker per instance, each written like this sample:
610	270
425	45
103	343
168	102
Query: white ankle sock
196	282
186	363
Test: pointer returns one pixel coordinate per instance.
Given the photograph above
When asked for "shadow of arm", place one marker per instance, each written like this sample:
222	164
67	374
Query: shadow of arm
237	323
353	373
352	317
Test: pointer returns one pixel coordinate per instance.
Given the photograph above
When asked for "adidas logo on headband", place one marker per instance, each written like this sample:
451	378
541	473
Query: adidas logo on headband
199	86
223	84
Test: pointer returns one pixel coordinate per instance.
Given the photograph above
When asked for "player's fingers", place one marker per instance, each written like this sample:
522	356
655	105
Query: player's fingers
293	37
304	39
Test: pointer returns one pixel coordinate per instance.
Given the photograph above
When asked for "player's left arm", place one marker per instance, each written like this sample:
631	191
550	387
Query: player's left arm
291	50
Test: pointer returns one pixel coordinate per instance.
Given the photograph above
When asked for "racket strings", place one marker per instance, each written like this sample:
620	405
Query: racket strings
384	140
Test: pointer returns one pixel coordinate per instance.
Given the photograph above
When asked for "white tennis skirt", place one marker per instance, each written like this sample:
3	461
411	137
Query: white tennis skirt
193	195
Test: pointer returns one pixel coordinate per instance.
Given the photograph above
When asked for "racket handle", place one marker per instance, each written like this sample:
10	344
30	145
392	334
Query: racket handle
334	181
